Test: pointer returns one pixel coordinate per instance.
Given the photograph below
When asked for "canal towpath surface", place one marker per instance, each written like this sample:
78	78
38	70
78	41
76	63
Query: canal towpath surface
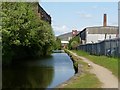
104	75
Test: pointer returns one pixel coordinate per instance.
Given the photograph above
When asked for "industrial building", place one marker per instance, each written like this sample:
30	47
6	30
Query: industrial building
101	40
68	36
65	38
98	33
41	13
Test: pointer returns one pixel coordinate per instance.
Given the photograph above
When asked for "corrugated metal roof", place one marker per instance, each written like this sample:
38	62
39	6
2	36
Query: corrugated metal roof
102	30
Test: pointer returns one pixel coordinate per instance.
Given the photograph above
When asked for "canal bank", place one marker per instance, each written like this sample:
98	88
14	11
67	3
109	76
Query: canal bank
93	75
83	78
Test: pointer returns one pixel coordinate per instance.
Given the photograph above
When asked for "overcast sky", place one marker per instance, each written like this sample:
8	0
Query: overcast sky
67	16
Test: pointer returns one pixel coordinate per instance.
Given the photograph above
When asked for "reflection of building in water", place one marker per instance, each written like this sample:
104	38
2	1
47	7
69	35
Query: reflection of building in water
30	76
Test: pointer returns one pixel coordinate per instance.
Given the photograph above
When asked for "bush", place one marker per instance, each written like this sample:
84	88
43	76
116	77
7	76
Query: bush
23	33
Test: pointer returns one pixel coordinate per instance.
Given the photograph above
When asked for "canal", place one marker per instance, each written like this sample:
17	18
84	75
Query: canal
47	72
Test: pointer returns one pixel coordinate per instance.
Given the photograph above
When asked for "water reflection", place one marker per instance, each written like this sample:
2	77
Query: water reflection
42	73
27	77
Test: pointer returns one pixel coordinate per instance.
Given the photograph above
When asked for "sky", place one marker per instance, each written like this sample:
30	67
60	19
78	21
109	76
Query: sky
68	16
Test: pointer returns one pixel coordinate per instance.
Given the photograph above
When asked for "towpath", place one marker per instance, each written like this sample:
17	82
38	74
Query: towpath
104	75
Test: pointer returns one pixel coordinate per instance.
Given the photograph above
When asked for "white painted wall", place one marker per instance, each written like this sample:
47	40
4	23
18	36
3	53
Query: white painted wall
69	38
64	42
98	37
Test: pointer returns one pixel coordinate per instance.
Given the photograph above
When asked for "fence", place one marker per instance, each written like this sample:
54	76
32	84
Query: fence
107	47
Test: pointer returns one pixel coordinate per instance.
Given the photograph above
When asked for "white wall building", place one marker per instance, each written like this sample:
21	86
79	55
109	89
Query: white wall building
97	34
100	33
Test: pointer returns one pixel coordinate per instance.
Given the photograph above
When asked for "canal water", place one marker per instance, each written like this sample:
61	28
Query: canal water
47	72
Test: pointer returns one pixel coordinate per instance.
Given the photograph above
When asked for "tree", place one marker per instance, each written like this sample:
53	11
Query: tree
23	33
57	44
71	43
74	44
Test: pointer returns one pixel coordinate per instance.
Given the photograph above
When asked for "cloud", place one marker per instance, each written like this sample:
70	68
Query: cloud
60	29
85	15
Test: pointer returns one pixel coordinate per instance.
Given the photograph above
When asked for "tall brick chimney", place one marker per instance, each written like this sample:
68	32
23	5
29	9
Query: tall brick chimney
105	20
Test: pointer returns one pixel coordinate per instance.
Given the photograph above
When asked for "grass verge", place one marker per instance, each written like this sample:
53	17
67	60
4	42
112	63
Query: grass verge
85	79
107	62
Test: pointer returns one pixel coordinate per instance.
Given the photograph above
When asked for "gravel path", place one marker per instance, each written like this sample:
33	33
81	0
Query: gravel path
104	75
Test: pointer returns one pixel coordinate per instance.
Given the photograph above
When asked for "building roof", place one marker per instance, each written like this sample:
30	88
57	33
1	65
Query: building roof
102	30
66	36
43	14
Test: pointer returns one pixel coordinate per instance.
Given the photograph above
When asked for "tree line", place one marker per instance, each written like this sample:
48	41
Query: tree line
74	42
24	34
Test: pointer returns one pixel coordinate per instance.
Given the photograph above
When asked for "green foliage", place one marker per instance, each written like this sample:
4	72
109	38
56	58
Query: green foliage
23	33
86	80
107	62
32	77
83	79
74	42
57	44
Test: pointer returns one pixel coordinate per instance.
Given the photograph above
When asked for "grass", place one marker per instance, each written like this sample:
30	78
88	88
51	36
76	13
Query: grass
107	62
84	80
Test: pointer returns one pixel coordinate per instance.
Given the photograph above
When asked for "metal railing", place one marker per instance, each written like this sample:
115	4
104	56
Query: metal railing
109	47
